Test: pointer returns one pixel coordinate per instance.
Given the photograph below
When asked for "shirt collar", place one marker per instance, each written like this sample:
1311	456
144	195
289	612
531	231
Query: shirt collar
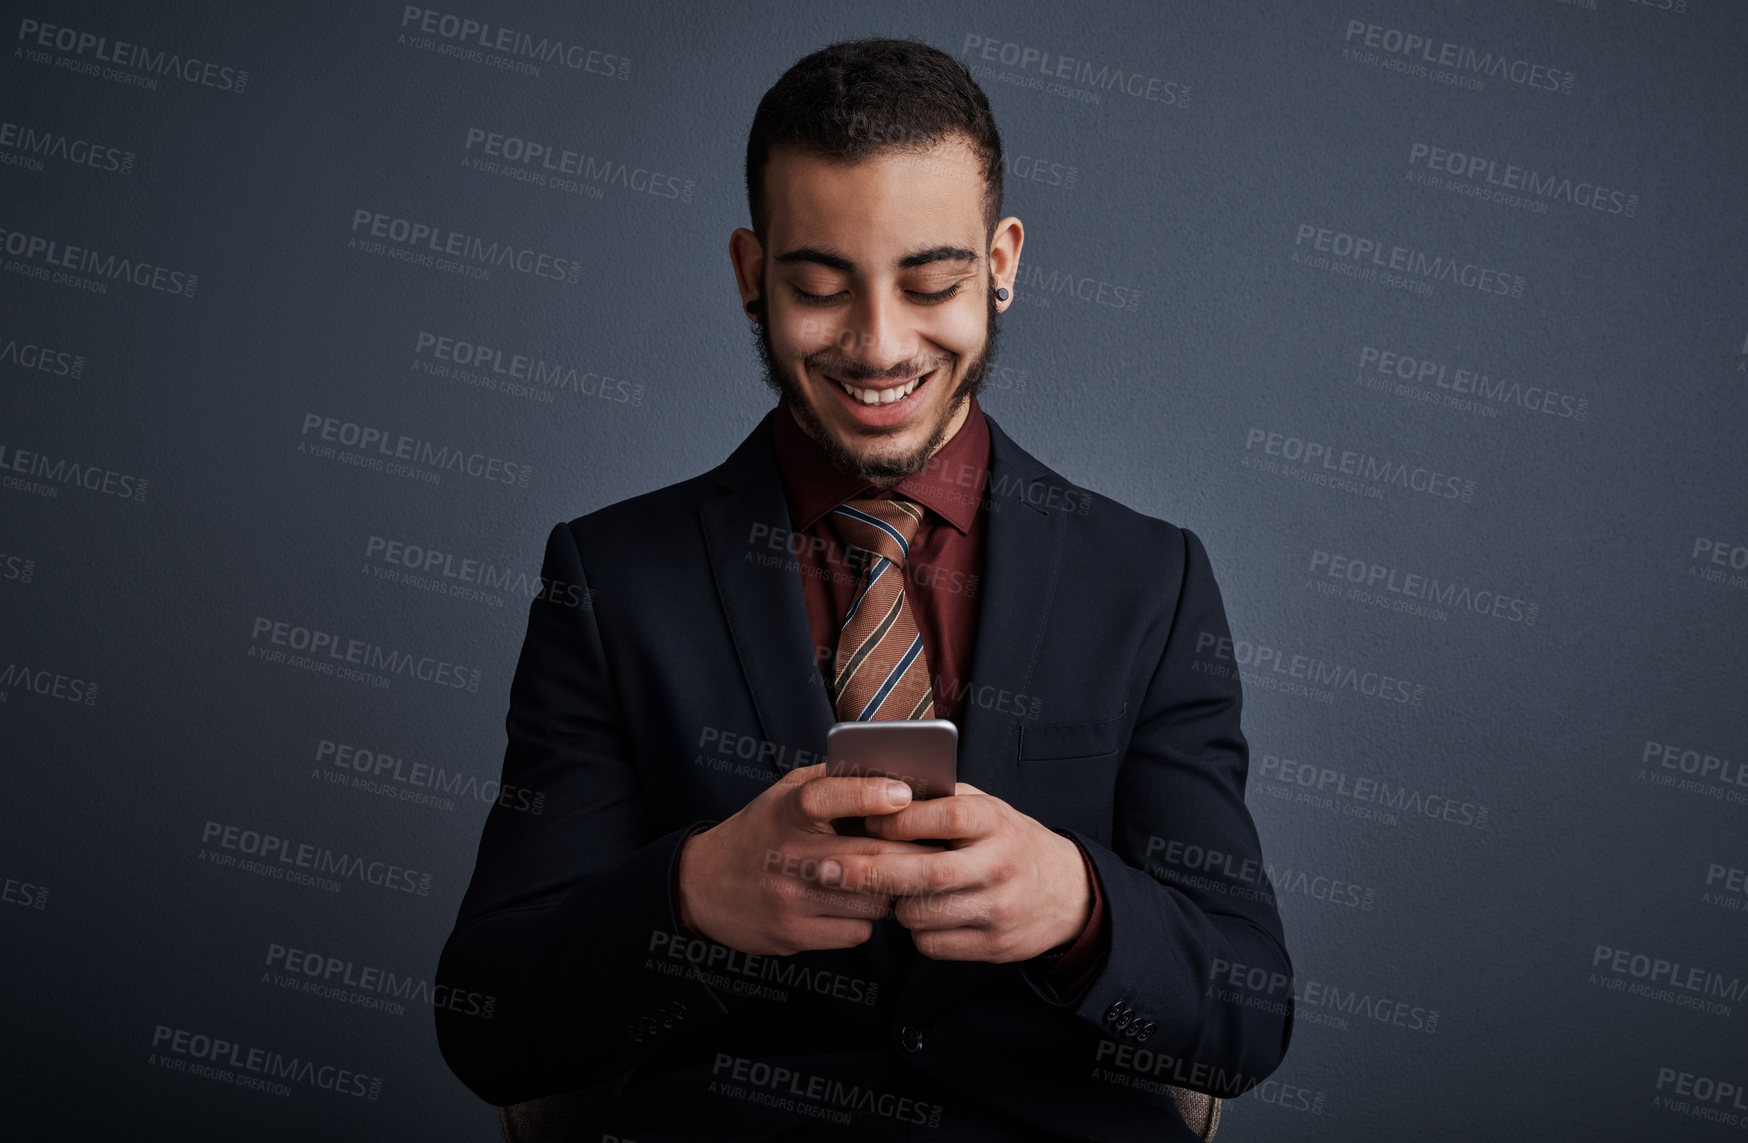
951	483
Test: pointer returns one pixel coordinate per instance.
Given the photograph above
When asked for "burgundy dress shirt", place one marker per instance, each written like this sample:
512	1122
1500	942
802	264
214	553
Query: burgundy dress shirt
941	573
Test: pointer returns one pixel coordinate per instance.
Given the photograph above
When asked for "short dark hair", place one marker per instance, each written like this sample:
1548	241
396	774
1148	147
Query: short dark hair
858	98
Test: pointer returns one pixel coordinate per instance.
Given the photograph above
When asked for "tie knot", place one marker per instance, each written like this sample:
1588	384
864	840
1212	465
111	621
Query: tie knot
884	527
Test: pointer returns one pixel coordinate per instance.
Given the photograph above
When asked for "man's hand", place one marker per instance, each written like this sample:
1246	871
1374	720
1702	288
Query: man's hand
1008	889
751	882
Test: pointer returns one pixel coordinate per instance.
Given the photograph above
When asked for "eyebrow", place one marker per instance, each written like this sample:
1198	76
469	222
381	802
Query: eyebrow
832	261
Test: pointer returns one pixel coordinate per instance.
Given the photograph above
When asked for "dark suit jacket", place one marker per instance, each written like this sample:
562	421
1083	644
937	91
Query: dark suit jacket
1102	706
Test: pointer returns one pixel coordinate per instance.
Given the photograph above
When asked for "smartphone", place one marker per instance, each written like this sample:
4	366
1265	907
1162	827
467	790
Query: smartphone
921	752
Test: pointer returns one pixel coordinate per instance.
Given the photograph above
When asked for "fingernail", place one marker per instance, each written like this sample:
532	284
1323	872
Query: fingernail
898	793
830	872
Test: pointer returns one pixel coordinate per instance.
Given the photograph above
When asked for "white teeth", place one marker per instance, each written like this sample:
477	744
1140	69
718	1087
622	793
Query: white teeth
881	396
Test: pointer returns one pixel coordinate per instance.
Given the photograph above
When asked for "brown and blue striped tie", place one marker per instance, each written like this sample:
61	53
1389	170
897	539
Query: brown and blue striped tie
882	671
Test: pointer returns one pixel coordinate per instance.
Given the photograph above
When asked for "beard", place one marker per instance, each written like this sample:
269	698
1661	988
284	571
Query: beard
883	472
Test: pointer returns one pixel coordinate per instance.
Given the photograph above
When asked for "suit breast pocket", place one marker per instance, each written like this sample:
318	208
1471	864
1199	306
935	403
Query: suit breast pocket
1069	740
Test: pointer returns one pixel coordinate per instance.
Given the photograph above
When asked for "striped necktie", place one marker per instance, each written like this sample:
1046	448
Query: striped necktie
881	671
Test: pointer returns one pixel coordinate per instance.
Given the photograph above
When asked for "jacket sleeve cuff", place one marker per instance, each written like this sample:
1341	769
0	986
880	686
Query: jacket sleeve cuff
674	886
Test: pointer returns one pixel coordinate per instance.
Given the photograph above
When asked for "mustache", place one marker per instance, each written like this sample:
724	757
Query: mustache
851	372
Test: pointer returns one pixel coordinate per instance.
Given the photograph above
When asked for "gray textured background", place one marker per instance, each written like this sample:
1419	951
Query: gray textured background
1449	978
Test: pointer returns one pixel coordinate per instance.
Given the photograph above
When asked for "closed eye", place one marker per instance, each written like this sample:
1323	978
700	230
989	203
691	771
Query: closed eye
806	298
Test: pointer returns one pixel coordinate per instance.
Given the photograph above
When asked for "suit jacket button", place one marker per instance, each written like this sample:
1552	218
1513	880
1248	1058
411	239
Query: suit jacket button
910	1038
1146	1031
1117	1008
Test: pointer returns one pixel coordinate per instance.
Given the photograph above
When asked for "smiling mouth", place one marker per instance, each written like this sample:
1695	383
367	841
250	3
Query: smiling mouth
891	395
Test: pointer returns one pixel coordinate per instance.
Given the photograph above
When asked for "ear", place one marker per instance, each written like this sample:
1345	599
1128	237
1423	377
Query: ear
747	258
1004	253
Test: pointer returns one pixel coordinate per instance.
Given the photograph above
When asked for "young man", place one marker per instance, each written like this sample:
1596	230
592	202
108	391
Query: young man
681	928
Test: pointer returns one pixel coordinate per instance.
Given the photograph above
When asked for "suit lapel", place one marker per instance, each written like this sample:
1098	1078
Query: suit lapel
1022	552
760	592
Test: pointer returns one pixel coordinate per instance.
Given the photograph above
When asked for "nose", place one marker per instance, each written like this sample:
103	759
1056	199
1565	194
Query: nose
874	337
